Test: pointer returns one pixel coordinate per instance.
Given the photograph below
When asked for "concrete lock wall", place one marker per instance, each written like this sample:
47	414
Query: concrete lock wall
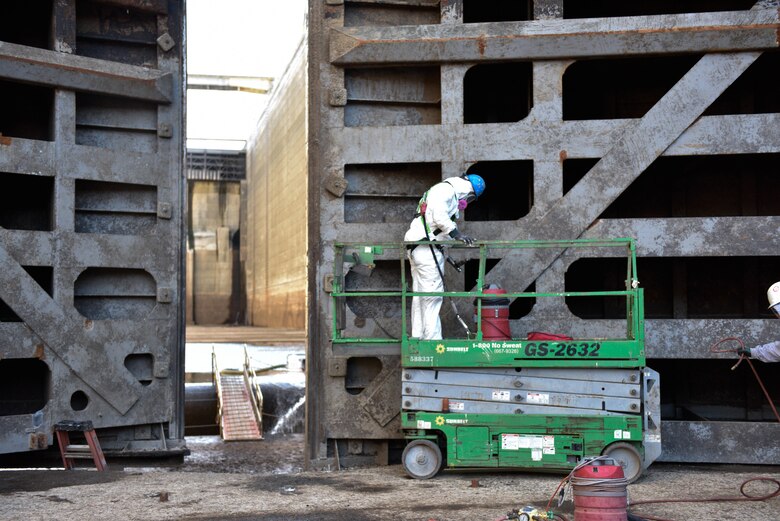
91	150
275	234
213	265
651	119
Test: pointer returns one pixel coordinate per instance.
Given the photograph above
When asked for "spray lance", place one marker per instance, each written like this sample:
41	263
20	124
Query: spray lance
458	268
458	265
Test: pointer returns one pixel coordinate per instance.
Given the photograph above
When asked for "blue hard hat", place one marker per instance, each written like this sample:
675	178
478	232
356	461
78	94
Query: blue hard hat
477	183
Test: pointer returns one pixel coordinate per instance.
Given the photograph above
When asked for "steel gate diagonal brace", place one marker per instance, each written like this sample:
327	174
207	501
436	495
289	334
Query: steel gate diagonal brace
64	333
636	149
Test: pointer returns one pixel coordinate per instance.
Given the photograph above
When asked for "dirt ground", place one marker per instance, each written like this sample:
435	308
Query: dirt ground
264	481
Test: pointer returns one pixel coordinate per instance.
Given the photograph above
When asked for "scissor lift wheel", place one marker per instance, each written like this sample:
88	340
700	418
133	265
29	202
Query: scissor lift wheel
628	457
422	459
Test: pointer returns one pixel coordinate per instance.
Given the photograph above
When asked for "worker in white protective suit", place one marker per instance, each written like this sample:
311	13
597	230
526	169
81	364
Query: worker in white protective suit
435	219
768	352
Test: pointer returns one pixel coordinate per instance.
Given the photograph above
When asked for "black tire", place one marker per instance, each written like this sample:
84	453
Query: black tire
628	457
422	459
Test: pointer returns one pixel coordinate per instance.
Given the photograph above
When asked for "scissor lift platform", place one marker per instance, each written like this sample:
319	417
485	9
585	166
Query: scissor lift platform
515	402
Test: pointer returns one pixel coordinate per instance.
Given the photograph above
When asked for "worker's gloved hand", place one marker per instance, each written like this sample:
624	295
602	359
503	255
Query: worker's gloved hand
465	239
744	351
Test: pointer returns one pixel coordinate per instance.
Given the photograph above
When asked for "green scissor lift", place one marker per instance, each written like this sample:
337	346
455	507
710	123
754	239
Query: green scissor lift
533	405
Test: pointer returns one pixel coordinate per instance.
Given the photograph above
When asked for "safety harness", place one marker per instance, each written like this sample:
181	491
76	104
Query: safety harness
422	207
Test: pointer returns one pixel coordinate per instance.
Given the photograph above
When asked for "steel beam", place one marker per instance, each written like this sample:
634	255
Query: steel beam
722	442
154	6
711	236
539	139
35	248
556	39
665	338
79	73
632	153
739	134
412	3
18	341
695	236
30	425
26	156
67	335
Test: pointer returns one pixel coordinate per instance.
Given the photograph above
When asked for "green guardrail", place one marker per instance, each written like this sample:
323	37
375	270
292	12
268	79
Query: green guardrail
361	258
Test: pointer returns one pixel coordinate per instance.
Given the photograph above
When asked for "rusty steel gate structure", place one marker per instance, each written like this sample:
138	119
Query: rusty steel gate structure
91	264
652	119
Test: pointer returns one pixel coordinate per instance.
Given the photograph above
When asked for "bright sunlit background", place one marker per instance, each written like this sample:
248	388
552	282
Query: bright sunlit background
236	38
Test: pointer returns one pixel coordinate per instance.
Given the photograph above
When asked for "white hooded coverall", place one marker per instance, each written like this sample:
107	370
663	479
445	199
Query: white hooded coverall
767	353
440	215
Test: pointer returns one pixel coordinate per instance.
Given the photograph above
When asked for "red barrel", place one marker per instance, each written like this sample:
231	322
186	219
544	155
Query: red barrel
600	492
495	314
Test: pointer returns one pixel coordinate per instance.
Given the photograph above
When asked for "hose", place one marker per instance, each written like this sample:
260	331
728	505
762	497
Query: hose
599	485
715	349
568	479
745	497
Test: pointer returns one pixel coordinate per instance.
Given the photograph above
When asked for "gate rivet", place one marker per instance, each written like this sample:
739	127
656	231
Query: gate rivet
166	42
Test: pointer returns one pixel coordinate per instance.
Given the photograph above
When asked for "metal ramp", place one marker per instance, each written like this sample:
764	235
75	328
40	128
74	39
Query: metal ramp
240	402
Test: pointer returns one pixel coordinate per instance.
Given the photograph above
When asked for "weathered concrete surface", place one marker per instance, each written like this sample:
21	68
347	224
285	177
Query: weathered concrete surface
213	296
246	335
275	231
207	486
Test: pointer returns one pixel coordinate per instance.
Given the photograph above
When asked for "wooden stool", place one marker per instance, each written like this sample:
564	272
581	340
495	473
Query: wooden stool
70	452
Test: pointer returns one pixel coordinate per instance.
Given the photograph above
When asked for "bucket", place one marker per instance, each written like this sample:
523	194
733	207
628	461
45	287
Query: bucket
495	314
600	492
